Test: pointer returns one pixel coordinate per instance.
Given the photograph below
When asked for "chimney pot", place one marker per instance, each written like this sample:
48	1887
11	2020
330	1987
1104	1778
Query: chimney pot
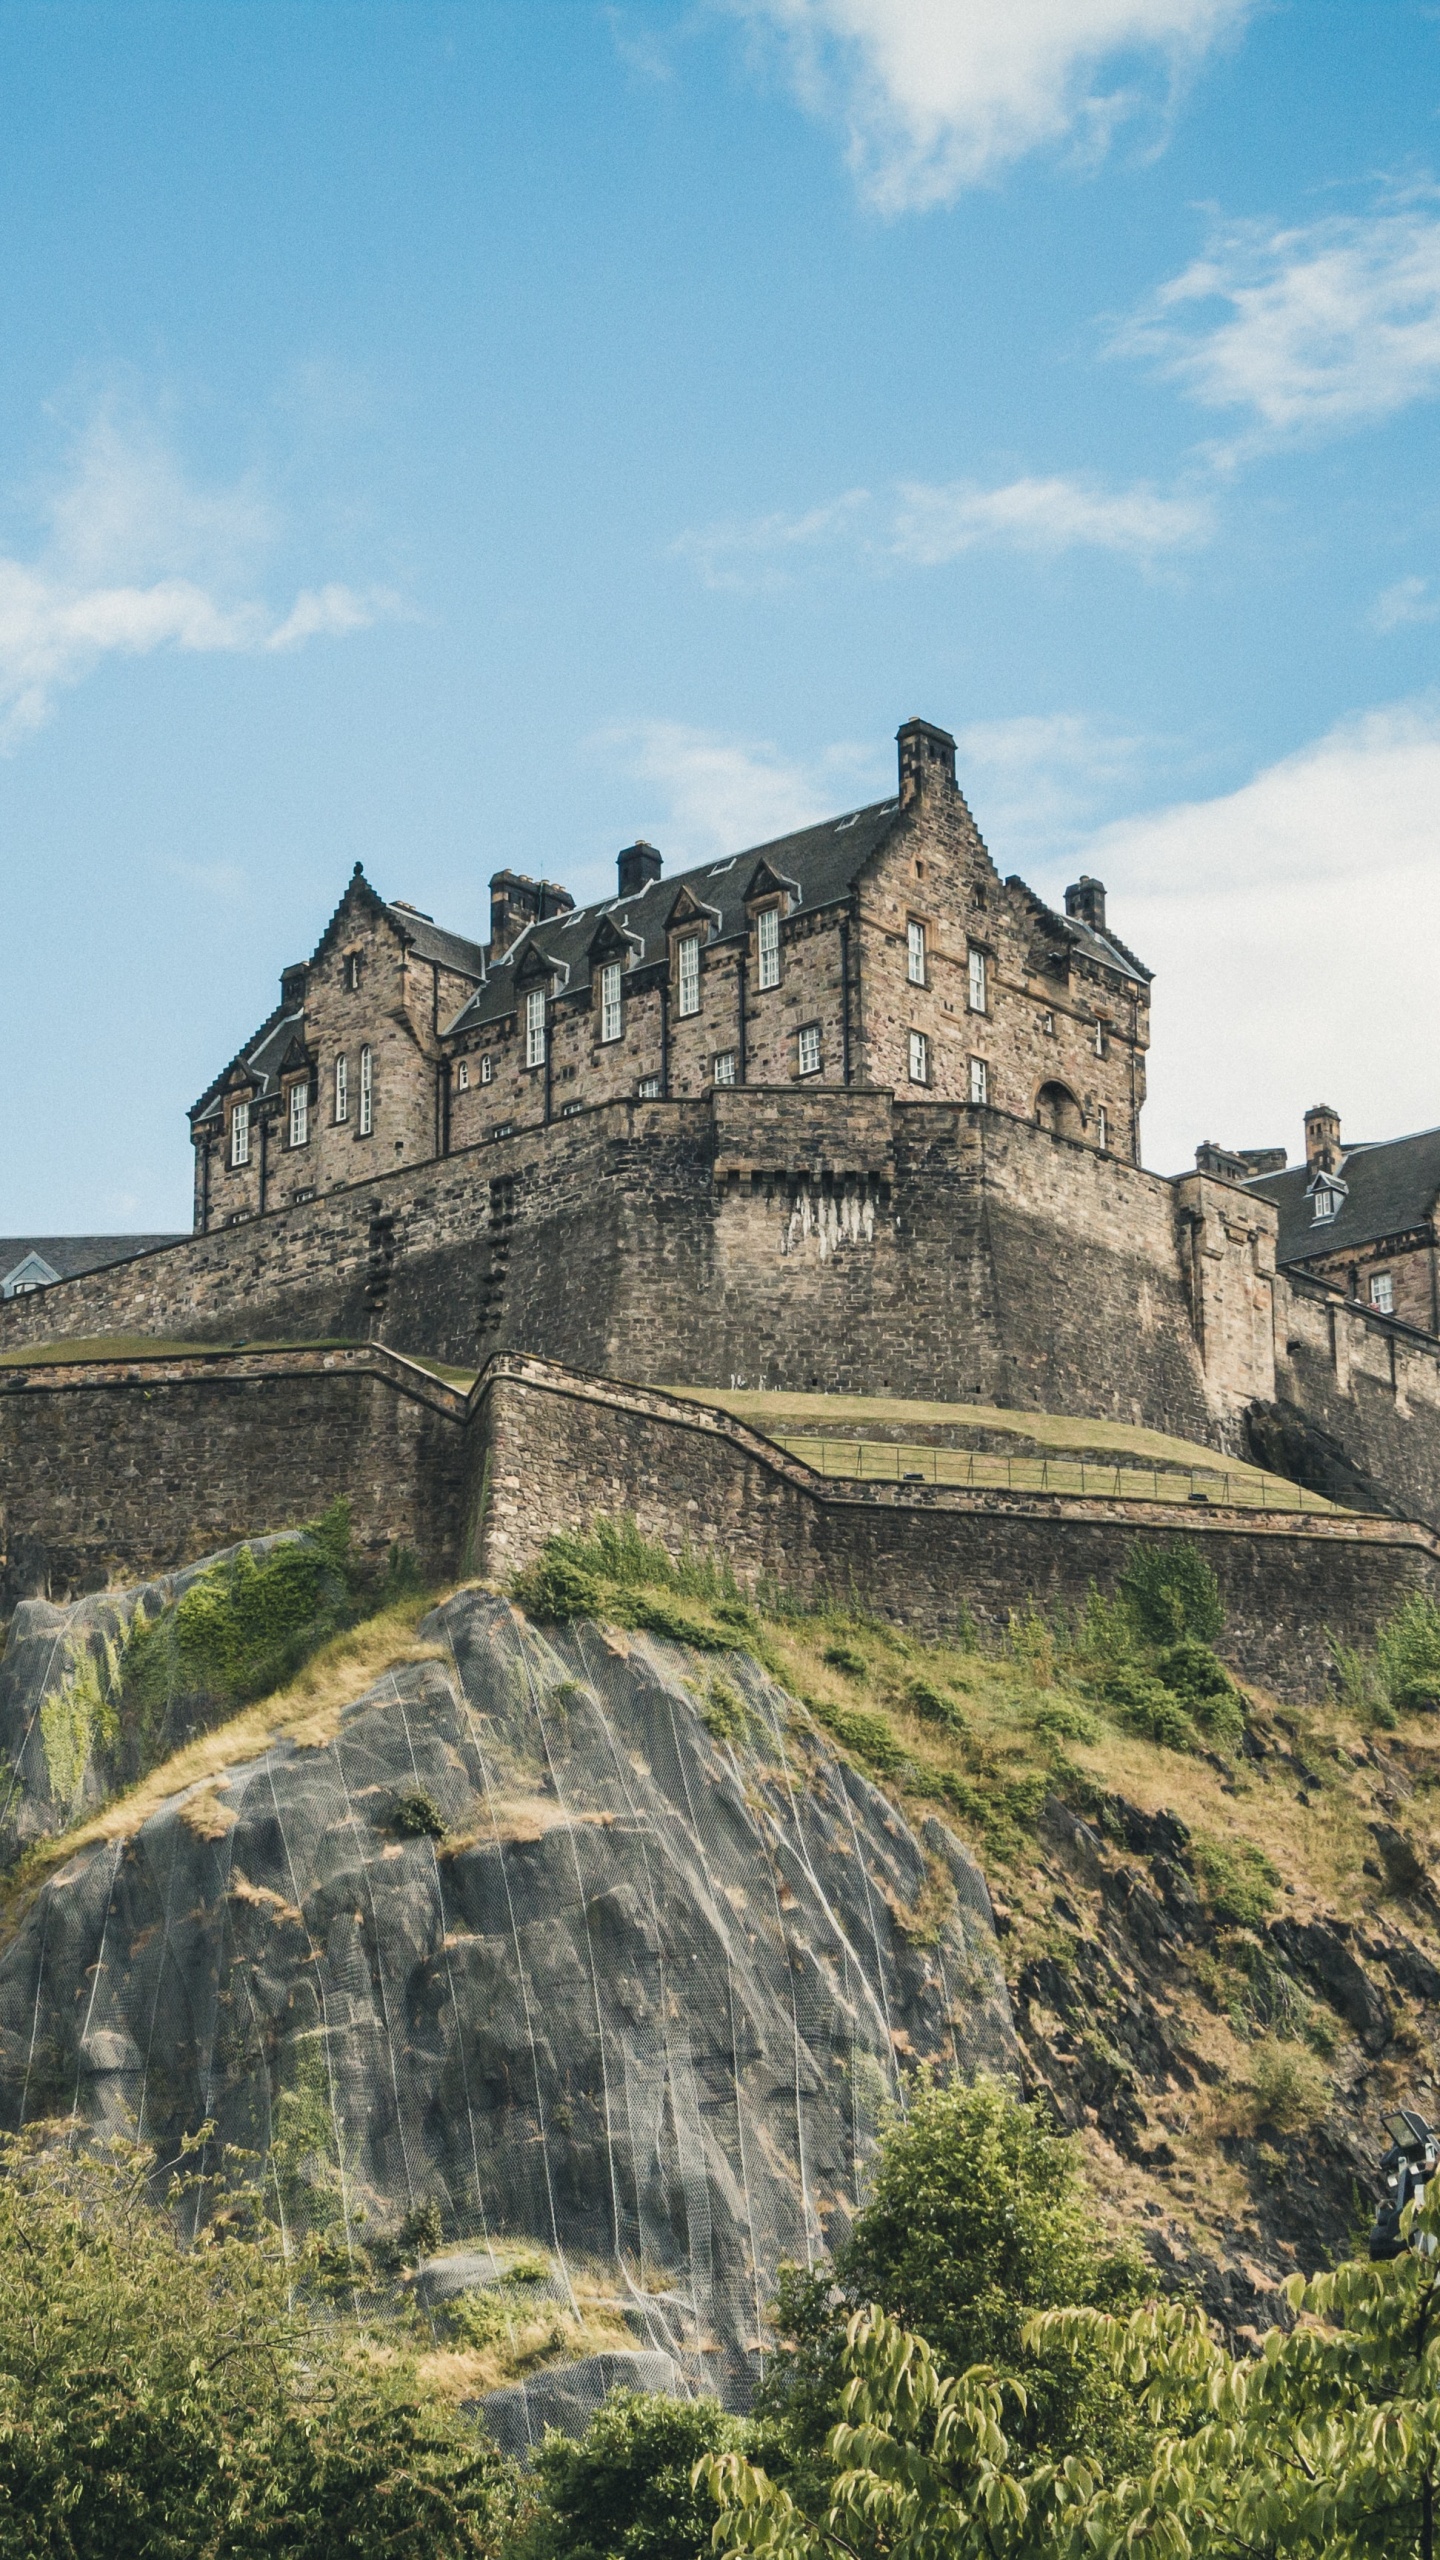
636	867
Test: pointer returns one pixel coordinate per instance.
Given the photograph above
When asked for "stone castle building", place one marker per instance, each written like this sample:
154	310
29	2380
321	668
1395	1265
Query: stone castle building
878	951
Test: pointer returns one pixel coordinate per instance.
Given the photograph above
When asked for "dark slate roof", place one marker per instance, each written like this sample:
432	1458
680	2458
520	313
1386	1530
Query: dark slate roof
262	1057
1389	1189
429	941
67	1256
819	865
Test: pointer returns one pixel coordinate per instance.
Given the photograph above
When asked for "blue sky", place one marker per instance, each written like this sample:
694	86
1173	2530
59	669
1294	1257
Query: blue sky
452	435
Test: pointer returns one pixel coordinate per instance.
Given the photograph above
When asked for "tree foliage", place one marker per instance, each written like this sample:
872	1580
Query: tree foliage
163	2402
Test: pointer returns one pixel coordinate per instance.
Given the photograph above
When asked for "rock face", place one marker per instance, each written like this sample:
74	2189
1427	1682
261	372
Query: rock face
553	1934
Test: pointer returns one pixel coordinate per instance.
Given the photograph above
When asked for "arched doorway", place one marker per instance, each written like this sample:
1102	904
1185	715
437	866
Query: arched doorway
1057	1110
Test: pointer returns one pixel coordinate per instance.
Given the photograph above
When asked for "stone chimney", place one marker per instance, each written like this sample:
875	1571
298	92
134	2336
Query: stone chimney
516	900
1225	1163
636	867
1323	1151
927	755
292	986
1085	901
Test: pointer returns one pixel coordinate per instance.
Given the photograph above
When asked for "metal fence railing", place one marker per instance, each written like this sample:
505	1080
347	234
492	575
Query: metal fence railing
1121	1479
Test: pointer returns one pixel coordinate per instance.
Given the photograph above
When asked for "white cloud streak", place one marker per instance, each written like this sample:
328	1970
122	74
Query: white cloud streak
1292	926
1409	600
1331	325
139	560
939	95
925	525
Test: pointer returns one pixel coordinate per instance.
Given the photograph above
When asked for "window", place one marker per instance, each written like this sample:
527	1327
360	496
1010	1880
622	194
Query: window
240	1133
915	957
342	1088
979	1080
462	1076
1102	1037
979	980
809	1049
767	927
648	1089
919	1058
487	1068
612	1014
352	970
535	1028
723	1070
299	1115
690	973
367	1092
1102	1127
1382	1292
1326	1202
1047	1024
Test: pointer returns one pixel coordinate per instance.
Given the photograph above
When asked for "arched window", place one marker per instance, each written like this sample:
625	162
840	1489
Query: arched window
1057	1110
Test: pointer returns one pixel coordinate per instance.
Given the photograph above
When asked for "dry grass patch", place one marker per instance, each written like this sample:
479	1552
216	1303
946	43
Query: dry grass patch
307	1712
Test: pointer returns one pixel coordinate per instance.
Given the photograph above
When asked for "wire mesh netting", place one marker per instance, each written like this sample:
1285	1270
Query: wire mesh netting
529	1941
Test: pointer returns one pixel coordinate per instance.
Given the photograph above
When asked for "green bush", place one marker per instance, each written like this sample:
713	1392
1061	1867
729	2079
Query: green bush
1171	1592
1201	1682
847	1658
624	2491
723	1713
1238	1879
1291	2091
934	1704
417	1816
871	1737
1408	1652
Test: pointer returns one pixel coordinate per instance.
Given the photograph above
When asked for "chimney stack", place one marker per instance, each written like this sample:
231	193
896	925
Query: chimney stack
1085	901
1323	1151
927	754
516	900
636	867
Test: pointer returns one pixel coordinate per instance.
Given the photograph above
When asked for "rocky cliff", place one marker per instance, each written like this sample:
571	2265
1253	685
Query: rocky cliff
555	1937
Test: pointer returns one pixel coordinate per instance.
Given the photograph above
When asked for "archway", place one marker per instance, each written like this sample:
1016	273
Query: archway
1057	1110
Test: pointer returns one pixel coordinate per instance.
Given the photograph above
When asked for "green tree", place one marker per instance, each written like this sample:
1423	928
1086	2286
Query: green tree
159	2402
627	2490
977	2219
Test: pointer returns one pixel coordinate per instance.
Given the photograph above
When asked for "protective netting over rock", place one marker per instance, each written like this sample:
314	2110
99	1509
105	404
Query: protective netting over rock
528	1942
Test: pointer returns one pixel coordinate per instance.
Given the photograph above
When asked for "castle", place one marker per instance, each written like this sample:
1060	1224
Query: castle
879	951
848	1114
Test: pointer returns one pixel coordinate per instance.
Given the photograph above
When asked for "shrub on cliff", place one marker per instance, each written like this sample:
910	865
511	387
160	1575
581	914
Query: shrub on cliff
626	2490
159	2402
977	2219
618	1578
1171	1592
1408	1652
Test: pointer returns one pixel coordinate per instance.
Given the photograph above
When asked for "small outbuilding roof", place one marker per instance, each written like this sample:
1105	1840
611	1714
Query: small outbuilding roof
29	1262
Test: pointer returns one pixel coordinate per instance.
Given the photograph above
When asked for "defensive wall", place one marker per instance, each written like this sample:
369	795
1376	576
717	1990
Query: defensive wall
156	1461
845	1242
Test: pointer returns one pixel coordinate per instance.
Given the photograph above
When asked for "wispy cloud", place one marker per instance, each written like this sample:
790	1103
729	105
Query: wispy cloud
1038	782
138	558
923	524
1409	600
1331	325
1291	924
938	95
936	524
715	794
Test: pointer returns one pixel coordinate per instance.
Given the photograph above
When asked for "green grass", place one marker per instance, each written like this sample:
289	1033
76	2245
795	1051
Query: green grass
149	1346
1056	1453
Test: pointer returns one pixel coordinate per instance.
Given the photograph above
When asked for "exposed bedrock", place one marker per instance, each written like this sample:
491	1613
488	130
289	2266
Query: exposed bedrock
525	1939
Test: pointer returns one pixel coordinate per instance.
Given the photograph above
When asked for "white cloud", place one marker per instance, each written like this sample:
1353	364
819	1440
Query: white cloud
138	559
717	794
926	525
937	95
1409	600
741	557
1037	782
1292	925
1331	325
933	525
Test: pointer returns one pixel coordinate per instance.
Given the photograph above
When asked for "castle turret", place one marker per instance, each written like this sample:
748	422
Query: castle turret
1323	1151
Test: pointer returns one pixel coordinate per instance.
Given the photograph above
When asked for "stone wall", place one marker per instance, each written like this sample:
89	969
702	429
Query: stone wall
120	1469
842	1242
558	1450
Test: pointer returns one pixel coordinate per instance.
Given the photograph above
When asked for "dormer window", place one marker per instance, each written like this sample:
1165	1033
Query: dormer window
299	1115
535	1027
767	944
612	1010
689	957
1326	1200
240	1133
